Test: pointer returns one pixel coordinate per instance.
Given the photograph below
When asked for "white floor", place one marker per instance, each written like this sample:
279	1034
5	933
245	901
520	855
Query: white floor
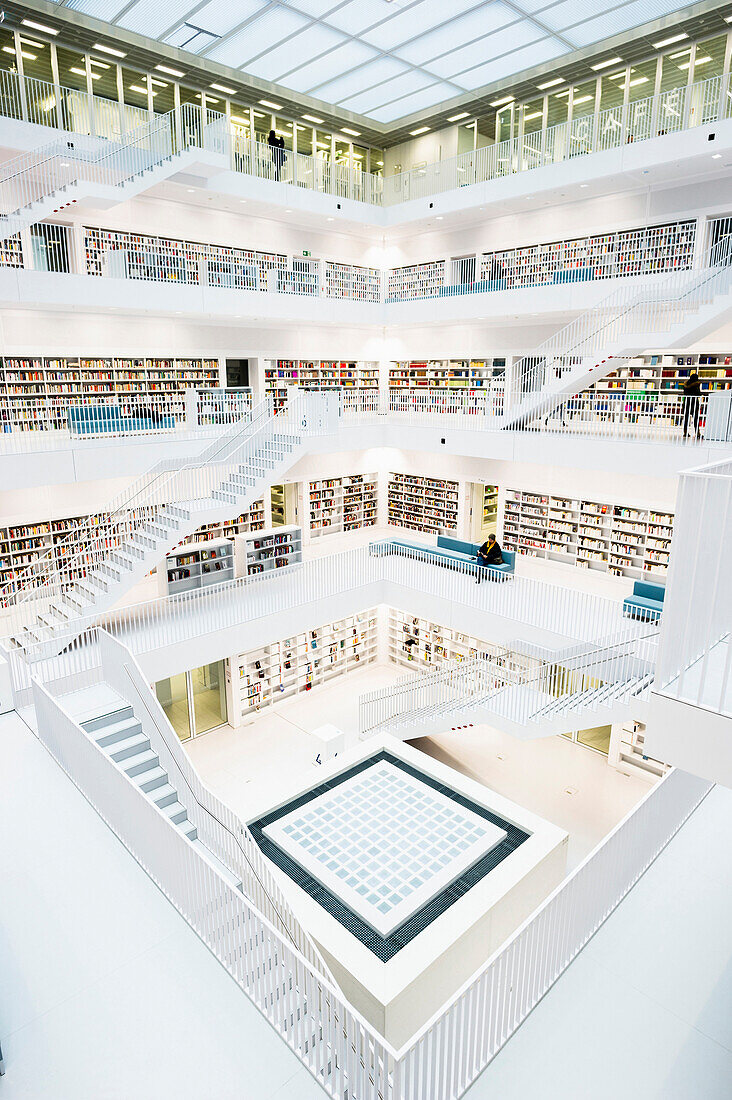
248	768
105	992
645	1011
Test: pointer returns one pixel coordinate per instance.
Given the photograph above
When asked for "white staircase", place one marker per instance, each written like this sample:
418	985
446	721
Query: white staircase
674	312
101	172
602	680
112	723
98	562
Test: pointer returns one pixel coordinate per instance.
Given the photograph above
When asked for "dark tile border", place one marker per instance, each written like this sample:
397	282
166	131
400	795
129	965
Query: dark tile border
385	948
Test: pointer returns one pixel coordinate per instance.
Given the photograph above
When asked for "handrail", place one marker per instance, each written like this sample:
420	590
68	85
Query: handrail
594	332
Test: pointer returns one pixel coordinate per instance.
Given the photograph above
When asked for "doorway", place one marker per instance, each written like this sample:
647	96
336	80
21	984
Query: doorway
284	504
195	701
483	510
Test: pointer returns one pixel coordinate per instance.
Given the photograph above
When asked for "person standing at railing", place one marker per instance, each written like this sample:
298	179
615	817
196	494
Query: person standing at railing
692	398
274	144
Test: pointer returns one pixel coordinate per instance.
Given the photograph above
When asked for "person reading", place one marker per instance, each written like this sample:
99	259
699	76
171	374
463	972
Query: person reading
489	554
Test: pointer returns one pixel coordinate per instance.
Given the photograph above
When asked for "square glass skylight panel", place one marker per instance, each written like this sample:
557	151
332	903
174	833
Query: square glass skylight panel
358	15
257	37
411	81
457	33
360	80
100	9
621	19
414	21
384	842
217	17
276	63
515	62
338	61
437	93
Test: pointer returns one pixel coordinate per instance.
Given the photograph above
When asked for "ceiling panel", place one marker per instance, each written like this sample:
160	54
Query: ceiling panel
380	58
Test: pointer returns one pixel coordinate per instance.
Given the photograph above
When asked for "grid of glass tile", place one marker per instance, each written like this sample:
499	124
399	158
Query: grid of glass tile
384	842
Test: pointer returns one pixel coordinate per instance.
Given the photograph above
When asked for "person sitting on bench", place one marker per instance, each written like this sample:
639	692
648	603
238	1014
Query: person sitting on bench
489	554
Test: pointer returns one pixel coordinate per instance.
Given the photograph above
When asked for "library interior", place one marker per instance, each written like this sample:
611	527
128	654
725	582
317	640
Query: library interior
365	613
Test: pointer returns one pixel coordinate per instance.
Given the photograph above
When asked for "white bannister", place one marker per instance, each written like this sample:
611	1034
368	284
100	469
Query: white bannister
336	1045
695	660
328	1036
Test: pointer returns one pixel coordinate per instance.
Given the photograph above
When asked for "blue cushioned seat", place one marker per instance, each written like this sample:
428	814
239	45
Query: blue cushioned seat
646	602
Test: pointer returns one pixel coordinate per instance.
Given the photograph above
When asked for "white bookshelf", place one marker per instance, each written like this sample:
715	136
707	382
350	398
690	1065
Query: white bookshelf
267	550
197	565
343	504
288	666
416	281
350	281
317	374
477	377
623	540
424	504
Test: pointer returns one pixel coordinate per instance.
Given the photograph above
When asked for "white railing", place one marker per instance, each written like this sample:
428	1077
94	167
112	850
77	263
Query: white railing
456	1045
328	1036
66	109
695	660
53	423
669	112
623	323
515	687
43	172
222	832
453	1048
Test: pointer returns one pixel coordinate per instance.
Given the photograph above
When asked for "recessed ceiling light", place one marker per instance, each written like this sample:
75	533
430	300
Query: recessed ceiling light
551	83
500	102
191	190
269	103
38	26
670	41
606	64
352	133
101	64
28	56
583	99
137	88
288	211
330	219
108	49
534	114
169	71
716	156
243	201
584	185
223	88
312	118
456	118
419	130
438	218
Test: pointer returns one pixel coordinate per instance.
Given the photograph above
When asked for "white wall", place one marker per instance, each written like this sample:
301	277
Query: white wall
428	148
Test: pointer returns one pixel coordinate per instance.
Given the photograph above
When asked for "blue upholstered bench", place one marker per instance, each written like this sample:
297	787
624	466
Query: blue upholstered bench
448	552
646	603
102	419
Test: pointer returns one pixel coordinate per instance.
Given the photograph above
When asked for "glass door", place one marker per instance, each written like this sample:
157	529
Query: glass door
208	693
173	698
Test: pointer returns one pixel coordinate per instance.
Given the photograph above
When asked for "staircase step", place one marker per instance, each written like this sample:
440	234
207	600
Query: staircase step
176	811
130	747
118	731
138	764
152	779
189	829
105	720
163	795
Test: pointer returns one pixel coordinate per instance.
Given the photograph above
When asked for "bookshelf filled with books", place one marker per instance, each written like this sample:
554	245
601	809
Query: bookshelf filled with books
426	504
343	504
317	374
274	672
623	540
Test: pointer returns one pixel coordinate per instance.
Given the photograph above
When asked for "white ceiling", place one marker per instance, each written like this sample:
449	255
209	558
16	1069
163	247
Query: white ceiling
380	58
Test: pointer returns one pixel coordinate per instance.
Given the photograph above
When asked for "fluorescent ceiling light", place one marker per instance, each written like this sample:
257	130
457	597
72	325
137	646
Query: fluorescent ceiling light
681	53
352	133
101	64
157	83
323	144
606	64
108	49
419	130
312	118
560	95
259	114
728	18
536	114
550	83
269	103
138	88
583	99
38	26
632	83
456	118
27	56
77	70
170	72
240	119
670	41
500	102
25	41
223	88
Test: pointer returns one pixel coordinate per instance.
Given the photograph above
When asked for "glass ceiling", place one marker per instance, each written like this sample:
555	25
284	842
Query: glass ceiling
379	58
